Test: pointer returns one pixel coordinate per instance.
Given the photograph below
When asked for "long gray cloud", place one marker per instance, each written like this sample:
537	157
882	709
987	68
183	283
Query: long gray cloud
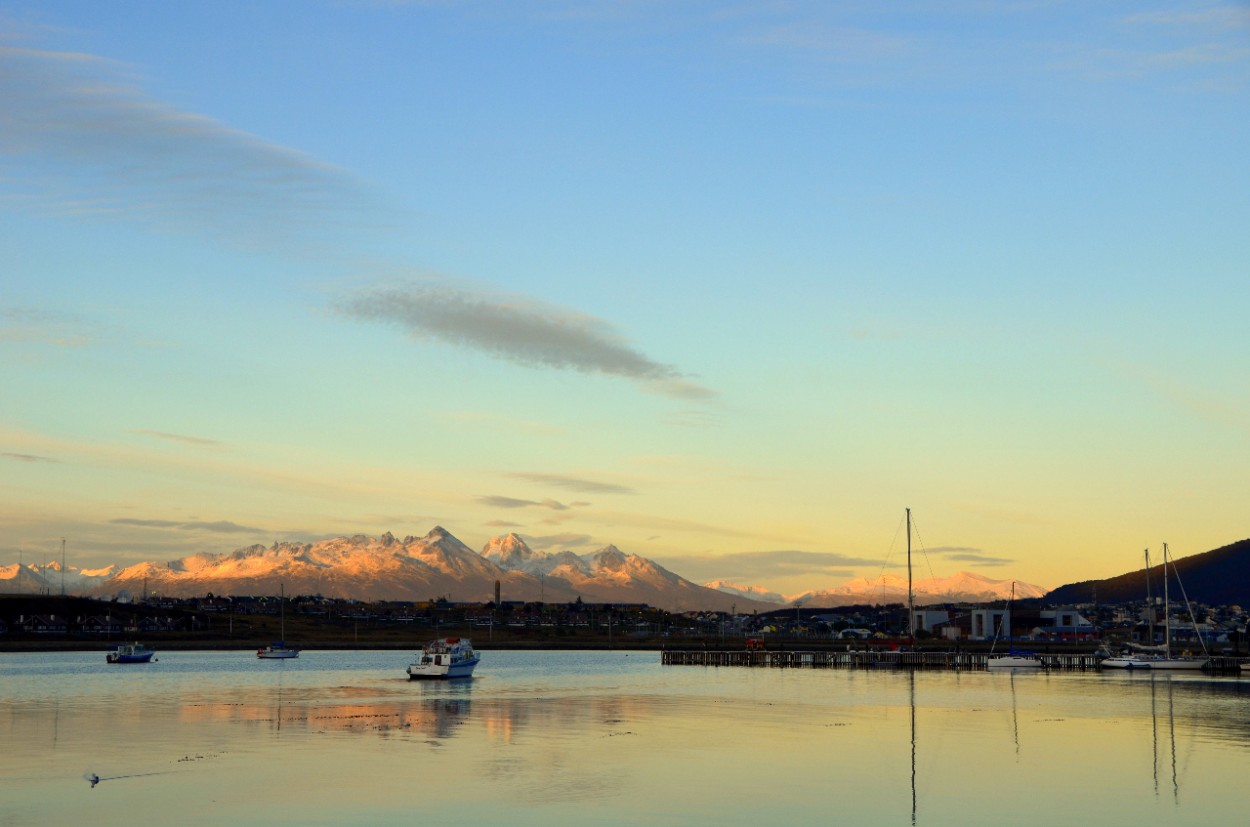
27	457
519	330
558	542
575	483
749	566
498	501
970	555
218	526
183	438
86	140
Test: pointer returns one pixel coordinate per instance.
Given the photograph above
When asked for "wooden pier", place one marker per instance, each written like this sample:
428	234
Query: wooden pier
868	659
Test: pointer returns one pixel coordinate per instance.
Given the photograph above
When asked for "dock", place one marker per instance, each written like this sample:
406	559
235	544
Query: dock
884	659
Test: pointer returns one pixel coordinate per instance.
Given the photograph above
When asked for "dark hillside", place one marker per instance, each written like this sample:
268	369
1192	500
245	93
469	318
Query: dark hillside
1218	577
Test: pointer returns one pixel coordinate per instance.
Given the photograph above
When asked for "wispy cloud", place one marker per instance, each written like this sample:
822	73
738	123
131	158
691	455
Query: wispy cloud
753	566
517	329
585	486
31	325
217	526
83	139
182	438
497	501
833	43
1217	17
970	555
559	542
27	457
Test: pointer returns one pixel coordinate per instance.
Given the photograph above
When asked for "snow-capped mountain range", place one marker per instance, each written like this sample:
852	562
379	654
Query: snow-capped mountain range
963	587
439	565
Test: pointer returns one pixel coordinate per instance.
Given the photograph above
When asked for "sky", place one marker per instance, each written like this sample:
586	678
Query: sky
726	284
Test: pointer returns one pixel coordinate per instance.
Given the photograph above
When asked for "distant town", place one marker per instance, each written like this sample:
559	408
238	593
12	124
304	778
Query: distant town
33	622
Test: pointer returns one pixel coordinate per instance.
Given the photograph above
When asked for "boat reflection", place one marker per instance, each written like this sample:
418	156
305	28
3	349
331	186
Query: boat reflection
912	698
287	711
420	710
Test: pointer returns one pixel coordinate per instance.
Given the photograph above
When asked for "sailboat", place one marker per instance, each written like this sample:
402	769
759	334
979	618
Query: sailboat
1014	659
1157	660
279	649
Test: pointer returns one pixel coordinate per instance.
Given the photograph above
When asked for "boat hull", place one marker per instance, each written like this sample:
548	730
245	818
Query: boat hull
1015	662
428	671
1139	662
276	653
130	653
144	658
444	659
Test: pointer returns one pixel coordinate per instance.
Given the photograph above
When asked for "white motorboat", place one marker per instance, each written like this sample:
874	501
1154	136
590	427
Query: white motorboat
443	658
277	649
1015	660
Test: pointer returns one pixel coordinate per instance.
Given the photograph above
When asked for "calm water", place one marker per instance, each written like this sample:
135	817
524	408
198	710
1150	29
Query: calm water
607	738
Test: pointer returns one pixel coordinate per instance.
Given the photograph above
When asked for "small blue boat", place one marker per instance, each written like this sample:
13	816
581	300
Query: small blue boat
130	653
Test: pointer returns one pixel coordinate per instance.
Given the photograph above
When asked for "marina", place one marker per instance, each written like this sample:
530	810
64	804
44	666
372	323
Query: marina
878	659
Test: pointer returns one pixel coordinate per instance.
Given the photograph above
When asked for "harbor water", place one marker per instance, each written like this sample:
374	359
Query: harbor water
608	738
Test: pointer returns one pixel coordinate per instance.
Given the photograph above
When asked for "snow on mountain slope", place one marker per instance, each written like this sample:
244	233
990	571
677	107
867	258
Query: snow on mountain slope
962	587
20	578
439	565
751	592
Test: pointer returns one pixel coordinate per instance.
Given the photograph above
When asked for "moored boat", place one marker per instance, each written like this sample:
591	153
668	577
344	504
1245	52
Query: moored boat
130	653
1147	661
1161	658
1016	659
448	657
277	649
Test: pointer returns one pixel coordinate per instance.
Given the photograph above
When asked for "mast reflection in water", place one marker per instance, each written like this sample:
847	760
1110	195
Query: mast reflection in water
611	738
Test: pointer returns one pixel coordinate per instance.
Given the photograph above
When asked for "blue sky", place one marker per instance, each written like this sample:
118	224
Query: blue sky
703	280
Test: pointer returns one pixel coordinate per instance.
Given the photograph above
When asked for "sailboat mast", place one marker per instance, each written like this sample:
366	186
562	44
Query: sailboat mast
1167	609
911	598
1150	607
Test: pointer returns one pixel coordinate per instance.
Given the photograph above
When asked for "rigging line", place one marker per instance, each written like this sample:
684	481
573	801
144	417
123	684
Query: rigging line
1189	609
927	561
876	592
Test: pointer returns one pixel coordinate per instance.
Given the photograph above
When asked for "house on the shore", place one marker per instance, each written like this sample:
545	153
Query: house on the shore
101	625
43	624
1020	623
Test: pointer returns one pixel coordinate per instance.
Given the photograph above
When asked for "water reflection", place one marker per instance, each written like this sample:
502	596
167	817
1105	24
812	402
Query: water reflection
565	739
911	690
429	712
